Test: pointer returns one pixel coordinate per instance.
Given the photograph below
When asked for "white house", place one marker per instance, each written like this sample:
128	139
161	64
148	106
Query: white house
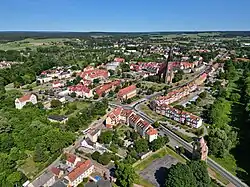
21	102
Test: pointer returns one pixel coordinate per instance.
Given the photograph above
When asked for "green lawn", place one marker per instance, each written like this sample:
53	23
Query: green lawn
30	168
31	43
228	162
139	180
142	164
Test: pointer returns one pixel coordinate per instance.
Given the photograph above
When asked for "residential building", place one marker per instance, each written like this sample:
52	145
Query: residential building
81	91
177	115
127	93
128	117
94	134
120	60
58	119
47	179
91	74
22	101
107	87
43	79
72	160
82	170
57	84
56	171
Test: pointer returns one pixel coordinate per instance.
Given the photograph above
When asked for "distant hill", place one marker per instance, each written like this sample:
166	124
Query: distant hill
20	35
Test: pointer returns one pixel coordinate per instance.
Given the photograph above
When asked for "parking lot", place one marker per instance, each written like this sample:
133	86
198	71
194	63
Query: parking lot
156	171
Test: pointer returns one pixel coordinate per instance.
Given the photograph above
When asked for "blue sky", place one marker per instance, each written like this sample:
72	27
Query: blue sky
124	15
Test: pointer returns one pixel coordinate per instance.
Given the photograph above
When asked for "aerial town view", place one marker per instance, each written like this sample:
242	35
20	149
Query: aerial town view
124	94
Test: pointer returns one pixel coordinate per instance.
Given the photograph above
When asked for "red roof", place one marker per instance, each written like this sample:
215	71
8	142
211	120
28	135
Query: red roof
126	90
55	170
93	74
104	88
152	131
80	169
119	60
79	88
25	98
71	158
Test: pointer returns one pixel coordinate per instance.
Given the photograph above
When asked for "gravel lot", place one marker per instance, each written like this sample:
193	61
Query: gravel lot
156	171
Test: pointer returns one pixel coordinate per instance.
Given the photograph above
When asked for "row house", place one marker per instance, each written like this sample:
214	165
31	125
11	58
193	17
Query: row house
81	91
107	87
127	93
178	115
176	94
123	116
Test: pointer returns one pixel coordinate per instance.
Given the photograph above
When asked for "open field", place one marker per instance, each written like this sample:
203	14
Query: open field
146	166
30	43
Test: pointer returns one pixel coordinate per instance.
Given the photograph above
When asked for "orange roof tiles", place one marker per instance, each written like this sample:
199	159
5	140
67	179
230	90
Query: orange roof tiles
25	98
71	158
79	170
126	90
152	131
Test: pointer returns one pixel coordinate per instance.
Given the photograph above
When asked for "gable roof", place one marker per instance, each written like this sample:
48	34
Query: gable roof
25	98
126	90
55	170
80	169
152	131
71	158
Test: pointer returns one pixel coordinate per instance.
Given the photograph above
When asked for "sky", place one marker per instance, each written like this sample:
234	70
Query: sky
124	15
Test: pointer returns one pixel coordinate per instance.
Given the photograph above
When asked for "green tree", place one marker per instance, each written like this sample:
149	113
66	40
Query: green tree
104	159
180	175
106	137
220	111
157	143
96	155
125	67
203	95
178	76
141	145
200	173
39	154
55	103
134	135
156	124
234	97
96	96
73	94
125	175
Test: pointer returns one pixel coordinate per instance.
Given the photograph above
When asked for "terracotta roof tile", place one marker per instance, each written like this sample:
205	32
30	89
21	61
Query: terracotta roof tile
80	169
126	90
25	98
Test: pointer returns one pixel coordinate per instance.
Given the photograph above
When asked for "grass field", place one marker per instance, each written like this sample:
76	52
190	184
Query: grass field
31	43
228	162
142	164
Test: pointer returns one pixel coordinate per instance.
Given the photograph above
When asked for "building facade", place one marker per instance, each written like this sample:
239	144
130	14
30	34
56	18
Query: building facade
22	101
